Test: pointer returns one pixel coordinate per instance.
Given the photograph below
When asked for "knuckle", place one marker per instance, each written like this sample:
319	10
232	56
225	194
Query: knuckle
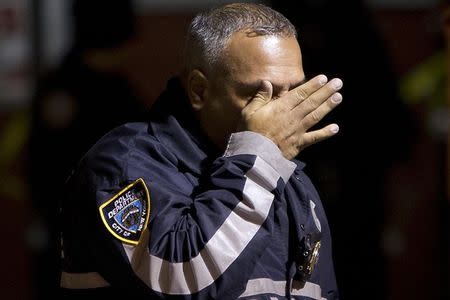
311	103
301	94
258	97
315	115
314	139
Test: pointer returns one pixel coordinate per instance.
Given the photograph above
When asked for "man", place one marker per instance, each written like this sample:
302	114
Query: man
206	200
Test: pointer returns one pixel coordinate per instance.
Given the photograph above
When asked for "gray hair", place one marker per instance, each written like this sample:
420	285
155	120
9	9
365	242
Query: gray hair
210	31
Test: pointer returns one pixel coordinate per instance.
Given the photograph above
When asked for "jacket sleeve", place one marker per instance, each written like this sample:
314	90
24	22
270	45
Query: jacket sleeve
202	243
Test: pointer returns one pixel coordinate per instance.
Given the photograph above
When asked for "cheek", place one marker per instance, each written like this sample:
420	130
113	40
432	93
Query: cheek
226	105
238	101
229	103
226	114
234	109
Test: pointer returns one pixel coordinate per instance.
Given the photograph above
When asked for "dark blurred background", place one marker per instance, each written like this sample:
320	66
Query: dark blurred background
70	70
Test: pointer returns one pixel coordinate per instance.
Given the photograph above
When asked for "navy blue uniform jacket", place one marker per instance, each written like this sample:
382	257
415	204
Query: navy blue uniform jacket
154	210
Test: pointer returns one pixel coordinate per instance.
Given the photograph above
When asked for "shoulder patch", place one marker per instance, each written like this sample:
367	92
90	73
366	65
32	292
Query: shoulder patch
126	214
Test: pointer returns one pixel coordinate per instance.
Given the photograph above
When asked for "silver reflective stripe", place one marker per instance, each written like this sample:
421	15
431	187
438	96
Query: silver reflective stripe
313	211
310	290
268	286
221	250
248	142
82	280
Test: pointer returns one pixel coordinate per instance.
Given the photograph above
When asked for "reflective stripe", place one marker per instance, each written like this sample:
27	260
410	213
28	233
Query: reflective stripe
268	286
221	250
316	219
248	142
82	280
310	290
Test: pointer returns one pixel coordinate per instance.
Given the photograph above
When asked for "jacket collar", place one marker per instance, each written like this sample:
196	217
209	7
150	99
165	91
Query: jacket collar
174	124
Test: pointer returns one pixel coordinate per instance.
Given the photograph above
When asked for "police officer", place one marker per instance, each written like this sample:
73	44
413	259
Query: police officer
206	200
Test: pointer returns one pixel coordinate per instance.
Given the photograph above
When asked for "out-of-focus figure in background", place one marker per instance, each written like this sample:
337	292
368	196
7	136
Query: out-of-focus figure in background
76	104
338	37
445	18
426	88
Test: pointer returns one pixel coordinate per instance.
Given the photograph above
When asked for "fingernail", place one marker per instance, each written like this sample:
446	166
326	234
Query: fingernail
336	98
336	83
323	79
334	128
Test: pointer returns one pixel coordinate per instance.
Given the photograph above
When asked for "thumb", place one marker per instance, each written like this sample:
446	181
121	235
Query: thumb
261	98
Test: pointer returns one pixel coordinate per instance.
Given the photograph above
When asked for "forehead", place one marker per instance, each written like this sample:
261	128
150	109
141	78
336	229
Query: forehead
249	57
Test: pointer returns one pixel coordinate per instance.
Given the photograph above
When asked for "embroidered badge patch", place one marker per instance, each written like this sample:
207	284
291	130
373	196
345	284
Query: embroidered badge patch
126	214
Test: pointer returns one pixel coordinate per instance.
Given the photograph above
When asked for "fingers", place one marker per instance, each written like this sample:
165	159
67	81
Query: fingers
262	97
312	137
302	92
320	112
318	98
265	92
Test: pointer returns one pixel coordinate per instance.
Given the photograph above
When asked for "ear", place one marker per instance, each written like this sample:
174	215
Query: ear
197	89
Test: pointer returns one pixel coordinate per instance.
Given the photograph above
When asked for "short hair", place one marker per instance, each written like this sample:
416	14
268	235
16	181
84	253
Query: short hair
210	31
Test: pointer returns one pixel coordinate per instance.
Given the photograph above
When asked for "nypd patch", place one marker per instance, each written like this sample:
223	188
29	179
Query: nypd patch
126	214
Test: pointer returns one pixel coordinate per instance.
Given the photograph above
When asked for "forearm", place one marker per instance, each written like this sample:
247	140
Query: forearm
222	230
